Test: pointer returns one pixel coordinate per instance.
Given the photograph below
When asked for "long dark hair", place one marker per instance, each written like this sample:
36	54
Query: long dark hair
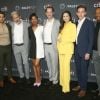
62	21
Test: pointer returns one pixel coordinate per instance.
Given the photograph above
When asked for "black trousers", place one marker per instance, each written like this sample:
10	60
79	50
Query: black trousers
5	60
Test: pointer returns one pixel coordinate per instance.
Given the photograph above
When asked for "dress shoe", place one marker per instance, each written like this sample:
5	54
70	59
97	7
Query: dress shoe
99	94
94	91
28	82
21	80
82	93
48	83
53	86
11	80
77	88
1	84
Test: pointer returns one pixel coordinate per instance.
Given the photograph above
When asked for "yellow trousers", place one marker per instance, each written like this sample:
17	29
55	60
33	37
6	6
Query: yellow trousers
64	60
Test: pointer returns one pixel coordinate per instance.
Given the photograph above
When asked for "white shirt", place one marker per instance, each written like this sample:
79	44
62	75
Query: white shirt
18	33
47	31
80	23
39	42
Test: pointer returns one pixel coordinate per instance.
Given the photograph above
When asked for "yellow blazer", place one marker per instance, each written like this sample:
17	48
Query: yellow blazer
66	38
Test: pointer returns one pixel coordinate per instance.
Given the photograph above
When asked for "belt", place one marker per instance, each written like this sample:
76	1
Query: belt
48	43
19	44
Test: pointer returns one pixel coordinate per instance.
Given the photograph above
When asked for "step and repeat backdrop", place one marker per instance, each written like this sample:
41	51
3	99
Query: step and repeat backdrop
26	7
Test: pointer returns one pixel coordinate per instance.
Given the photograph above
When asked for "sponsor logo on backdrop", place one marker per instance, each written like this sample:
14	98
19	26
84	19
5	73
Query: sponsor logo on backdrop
64	6
24	7
5	8
17	7
97	4
47	5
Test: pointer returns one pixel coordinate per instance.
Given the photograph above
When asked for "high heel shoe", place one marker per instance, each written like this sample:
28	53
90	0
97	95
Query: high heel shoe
38	84
35	84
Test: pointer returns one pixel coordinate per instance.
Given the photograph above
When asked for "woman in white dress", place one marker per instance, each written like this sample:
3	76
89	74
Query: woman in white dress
36	47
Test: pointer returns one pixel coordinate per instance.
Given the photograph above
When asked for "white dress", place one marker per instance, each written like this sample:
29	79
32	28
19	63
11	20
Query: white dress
39	42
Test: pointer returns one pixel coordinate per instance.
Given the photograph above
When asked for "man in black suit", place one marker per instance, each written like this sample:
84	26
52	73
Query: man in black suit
5	49
83	49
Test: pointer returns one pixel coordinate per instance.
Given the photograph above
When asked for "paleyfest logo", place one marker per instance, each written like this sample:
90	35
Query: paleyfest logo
63	6
5	9
28	7
17	7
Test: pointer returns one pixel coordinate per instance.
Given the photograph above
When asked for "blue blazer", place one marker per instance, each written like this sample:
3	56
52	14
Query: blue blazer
85	38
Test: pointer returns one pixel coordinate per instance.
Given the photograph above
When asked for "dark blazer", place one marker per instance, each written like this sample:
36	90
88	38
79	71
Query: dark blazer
85	38
32	50
10	35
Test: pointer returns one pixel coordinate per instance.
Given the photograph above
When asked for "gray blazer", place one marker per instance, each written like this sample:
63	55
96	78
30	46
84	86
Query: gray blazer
25	36
55	32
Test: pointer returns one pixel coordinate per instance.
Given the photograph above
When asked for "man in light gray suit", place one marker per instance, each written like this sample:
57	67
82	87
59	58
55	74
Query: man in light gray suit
51	30
96	48
20	45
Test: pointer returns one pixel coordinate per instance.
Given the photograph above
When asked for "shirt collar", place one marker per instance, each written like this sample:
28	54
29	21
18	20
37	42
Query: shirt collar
82	20
51	20
21	21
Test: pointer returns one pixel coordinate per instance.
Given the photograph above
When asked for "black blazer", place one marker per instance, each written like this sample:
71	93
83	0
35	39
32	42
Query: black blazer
10	34
32	51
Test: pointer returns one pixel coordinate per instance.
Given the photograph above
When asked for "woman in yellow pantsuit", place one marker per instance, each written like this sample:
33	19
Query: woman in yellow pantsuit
65	47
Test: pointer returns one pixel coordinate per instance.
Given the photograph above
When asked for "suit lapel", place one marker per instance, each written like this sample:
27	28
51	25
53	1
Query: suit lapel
53	27
83	25
44	23
24	30
13	25
10	33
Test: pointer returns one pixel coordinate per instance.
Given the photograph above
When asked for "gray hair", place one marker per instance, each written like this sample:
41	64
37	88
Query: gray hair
15	13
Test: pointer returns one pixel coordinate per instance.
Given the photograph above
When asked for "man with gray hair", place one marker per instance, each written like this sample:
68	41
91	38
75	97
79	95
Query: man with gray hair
20	41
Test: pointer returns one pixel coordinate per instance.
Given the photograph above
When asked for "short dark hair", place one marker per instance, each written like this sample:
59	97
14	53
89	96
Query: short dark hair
81	6
3	13
97	8
33	15
49	7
